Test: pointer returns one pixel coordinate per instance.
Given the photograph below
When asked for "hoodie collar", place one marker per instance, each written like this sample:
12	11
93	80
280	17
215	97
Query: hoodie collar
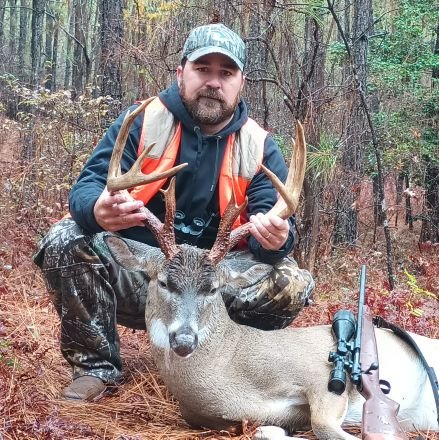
172	100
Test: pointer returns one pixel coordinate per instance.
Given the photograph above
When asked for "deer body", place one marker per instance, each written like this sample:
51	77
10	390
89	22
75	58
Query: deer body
222	372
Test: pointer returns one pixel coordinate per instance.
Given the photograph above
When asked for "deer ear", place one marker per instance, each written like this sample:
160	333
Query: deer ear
127	256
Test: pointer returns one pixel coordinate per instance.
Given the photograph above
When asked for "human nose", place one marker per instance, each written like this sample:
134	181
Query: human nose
213	81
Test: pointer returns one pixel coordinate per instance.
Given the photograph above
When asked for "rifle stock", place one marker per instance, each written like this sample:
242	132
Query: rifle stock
379	411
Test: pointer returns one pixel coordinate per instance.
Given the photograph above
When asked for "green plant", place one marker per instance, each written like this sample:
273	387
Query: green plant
415	290
5	355
322	159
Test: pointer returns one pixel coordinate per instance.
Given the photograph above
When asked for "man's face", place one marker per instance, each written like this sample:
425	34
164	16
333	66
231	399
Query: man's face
210	88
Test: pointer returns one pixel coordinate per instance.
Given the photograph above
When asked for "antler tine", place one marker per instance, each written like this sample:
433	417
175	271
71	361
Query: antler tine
284	207
290	192
166	237
224	236
115	180
119	146
163	232
135	176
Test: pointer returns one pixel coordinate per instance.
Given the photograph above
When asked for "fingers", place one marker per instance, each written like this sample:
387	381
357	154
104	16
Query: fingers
270	230
117	211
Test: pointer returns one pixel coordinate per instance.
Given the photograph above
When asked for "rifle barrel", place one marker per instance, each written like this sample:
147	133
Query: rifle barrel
356	365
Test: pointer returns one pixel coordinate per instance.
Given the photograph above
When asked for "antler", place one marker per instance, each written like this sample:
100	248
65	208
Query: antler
116	181
285	206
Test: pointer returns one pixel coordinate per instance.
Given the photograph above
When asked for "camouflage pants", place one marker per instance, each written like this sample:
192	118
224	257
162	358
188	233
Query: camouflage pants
92	294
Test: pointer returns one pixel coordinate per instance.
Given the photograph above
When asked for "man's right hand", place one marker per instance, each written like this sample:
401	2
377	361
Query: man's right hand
114	212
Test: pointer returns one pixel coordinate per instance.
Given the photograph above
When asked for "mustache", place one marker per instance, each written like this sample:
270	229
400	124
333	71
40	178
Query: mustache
211	93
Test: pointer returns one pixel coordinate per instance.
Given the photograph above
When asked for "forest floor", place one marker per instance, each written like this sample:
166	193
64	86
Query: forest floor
32	370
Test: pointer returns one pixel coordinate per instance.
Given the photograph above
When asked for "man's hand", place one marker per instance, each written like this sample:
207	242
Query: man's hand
114	212
270	230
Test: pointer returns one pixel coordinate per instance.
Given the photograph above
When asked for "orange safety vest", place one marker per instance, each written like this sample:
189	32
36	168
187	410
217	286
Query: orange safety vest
242	158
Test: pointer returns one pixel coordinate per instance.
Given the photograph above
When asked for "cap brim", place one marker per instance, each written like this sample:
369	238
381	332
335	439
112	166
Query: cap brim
195	55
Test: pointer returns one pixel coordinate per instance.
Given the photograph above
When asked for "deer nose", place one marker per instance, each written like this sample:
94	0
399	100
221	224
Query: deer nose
183	341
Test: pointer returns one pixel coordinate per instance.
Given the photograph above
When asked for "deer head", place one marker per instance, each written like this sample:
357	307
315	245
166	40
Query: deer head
186	282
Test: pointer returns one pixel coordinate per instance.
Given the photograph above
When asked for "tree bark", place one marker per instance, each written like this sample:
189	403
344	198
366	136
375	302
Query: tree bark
54	69
408	205
2	22
259	63
13	34
69	43
309	109
356	139
77	67
22	40
37	32
435	72
48	59
400	179
430	220
111	38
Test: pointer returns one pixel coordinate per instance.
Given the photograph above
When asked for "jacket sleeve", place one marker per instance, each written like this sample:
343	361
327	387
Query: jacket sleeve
93	178
261	198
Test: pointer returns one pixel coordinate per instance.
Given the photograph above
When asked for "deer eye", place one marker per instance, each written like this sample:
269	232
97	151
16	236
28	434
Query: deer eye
212	291
162	283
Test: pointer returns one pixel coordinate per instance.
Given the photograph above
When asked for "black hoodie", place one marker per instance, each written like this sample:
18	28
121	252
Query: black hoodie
197	198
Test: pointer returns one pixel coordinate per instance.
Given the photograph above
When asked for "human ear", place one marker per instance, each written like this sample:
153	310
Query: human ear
179	75
242	84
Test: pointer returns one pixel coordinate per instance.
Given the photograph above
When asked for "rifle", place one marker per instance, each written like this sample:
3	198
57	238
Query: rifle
379	411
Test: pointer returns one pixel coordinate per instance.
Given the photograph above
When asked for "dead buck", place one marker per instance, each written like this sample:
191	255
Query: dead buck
223	373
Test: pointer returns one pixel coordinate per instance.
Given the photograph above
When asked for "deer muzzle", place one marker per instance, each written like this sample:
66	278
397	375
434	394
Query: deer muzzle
183	341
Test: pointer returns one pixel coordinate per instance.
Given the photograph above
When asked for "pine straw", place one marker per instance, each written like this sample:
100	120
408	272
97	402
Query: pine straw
32	372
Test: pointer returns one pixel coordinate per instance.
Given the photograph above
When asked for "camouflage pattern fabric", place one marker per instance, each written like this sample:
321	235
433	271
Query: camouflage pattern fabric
214	38
92	294
263	296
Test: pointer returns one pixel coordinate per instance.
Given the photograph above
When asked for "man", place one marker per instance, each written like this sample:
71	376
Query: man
201	119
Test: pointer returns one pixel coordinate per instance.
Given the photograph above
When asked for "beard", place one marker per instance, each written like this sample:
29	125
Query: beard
208	107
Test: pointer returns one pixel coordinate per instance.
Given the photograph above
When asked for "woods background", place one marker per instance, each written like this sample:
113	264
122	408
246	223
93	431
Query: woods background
363	77
69	67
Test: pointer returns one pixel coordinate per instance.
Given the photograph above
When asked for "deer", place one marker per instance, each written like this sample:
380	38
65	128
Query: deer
223	373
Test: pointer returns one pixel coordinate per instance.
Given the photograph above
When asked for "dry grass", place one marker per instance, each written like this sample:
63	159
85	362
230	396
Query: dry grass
32	372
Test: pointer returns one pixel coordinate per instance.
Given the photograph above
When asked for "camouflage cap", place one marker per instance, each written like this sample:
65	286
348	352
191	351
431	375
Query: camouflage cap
214	38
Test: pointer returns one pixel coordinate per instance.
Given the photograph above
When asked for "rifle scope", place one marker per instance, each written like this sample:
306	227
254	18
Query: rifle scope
343	327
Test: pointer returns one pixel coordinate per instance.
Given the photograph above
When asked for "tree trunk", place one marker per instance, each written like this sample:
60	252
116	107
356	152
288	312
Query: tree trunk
435	72
22	41
95	47
111	66
78	69
68	71
48	81
430	221
377	208
400	179
37	32
408	205
347	217
259	62
2	22
55	55
309	110
13	35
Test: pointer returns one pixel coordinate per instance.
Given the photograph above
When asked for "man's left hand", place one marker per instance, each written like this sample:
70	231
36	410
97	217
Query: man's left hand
270	230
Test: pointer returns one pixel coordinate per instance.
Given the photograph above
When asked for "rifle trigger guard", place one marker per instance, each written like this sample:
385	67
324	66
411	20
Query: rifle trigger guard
385	386
373	367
